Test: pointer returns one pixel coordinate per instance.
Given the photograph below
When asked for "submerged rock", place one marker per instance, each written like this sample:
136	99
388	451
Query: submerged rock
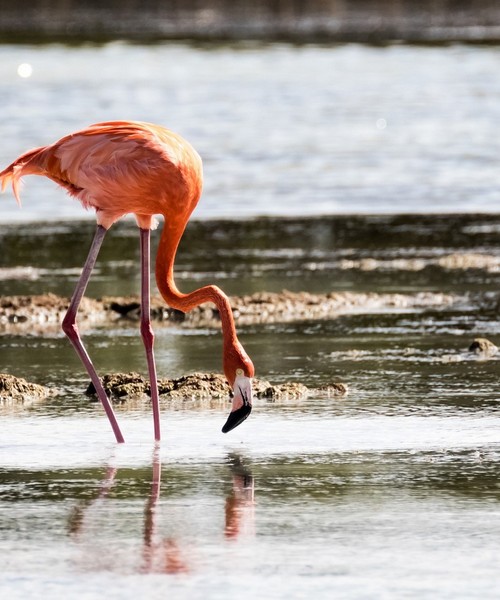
337	389
458	261
465	261
283	391
18	390
122	387
483	347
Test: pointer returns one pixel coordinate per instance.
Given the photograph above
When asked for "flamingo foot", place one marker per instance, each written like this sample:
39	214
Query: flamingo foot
237	417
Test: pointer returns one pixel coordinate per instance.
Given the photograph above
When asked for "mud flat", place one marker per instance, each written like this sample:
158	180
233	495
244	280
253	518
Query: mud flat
42	314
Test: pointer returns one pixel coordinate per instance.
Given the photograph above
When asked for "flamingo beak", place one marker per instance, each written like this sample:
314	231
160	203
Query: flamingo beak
242	403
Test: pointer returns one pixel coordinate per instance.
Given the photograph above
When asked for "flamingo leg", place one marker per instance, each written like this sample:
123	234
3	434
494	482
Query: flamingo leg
146	328
70	328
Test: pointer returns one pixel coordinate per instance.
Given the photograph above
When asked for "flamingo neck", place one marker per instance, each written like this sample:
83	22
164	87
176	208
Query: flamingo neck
167	250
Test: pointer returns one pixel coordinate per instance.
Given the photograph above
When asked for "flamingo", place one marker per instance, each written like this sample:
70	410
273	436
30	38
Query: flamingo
123	167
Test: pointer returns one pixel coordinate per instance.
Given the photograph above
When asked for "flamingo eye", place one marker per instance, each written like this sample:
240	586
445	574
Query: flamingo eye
239	371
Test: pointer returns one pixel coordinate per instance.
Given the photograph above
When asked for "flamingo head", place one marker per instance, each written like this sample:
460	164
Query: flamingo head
239	371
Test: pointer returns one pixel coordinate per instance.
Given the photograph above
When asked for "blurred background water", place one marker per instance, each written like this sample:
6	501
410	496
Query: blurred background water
312	153
282	129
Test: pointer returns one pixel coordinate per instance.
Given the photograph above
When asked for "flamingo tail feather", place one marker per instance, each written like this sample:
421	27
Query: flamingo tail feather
24	165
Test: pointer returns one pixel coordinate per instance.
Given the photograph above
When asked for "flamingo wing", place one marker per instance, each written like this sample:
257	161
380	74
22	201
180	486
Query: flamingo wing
117	167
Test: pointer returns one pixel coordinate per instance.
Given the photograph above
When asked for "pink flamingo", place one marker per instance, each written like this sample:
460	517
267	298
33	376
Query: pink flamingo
122	167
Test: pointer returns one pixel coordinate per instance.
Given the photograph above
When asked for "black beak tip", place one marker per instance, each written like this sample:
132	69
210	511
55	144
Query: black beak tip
236	418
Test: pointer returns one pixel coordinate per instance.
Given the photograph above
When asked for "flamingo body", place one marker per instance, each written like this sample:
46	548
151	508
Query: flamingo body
119	167
124	167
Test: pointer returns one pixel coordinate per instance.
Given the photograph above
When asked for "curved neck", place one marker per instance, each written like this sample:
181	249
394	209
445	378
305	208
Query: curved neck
167	249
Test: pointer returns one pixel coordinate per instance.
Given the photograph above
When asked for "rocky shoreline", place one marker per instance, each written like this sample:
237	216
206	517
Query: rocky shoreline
42	314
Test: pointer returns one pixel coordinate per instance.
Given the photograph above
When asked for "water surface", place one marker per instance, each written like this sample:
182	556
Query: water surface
281	129
390	492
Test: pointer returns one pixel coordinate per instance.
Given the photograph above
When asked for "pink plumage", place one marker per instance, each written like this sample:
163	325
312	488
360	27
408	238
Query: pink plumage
123	167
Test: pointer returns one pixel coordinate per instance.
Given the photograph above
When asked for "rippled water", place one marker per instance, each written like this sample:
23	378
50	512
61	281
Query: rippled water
281	129
391	492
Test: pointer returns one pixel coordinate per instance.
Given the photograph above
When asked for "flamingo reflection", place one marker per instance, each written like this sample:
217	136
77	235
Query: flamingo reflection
76	520
170	555
164	556
240	503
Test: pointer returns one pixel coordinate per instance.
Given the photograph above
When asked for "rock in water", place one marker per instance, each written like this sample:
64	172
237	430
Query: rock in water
16	390
483	347
122	387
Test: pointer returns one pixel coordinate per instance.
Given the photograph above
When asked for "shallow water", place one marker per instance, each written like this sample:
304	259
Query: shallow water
390	492
414	515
